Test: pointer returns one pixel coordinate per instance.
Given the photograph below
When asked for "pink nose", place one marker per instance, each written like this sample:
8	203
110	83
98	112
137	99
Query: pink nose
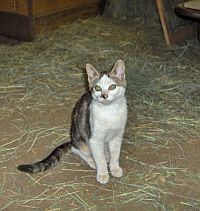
104	96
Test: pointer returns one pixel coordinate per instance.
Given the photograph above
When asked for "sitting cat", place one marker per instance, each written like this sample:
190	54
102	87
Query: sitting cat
97	126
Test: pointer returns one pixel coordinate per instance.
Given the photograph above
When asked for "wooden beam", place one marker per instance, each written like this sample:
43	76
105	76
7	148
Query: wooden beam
160	7
176	34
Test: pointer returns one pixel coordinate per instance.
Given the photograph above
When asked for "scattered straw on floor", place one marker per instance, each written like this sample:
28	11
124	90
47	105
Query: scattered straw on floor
41	81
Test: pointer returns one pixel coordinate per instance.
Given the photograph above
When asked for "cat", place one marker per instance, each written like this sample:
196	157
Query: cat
97	126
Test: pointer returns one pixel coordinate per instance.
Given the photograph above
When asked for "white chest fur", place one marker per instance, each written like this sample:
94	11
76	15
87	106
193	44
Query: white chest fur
108	119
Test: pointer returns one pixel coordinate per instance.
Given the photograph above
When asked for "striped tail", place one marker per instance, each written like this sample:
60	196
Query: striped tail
47	163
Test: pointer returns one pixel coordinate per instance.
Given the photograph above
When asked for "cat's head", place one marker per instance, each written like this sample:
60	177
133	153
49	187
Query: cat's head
107	86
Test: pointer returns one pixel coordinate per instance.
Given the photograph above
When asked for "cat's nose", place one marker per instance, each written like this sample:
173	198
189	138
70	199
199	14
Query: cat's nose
104	95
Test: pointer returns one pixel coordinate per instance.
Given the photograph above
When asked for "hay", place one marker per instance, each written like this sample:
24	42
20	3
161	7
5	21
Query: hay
45	78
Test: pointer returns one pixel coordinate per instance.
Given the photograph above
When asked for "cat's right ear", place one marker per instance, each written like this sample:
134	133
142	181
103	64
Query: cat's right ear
91	72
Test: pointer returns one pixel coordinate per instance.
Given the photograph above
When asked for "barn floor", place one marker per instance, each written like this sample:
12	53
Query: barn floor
41	81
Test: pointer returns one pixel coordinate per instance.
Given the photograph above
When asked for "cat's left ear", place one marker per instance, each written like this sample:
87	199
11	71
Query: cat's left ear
119	69
91	72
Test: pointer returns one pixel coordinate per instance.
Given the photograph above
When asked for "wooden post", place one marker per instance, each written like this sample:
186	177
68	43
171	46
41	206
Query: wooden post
160	7
176	34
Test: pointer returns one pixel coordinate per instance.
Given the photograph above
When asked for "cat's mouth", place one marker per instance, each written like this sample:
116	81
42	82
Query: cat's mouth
104	101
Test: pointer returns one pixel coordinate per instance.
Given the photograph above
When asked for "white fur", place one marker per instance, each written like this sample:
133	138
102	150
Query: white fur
104	83
107	120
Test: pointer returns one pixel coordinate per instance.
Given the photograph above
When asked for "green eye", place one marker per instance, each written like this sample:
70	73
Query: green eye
97	88
113	86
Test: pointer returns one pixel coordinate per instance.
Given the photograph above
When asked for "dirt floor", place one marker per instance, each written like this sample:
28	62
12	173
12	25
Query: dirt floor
39	85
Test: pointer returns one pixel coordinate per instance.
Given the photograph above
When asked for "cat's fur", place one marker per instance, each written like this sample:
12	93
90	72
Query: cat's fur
97	127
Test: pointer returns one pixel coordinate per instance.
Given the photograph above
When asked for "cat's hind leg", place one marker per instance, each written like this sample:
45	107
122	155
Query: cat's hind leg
85	153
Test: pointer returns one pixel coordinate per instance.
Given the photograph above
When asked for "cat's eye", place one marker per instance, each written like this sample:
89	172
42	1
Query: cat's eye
112	87
97	88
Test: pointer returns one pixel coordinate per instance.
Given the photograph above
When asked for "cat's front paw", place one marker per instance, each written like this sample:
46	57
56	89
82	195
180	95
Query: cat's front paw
102	178
117	172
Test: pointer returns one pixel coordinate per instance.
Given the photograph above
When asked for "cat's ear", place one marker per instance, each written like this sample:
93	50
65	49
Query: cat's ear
119	69
91	72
